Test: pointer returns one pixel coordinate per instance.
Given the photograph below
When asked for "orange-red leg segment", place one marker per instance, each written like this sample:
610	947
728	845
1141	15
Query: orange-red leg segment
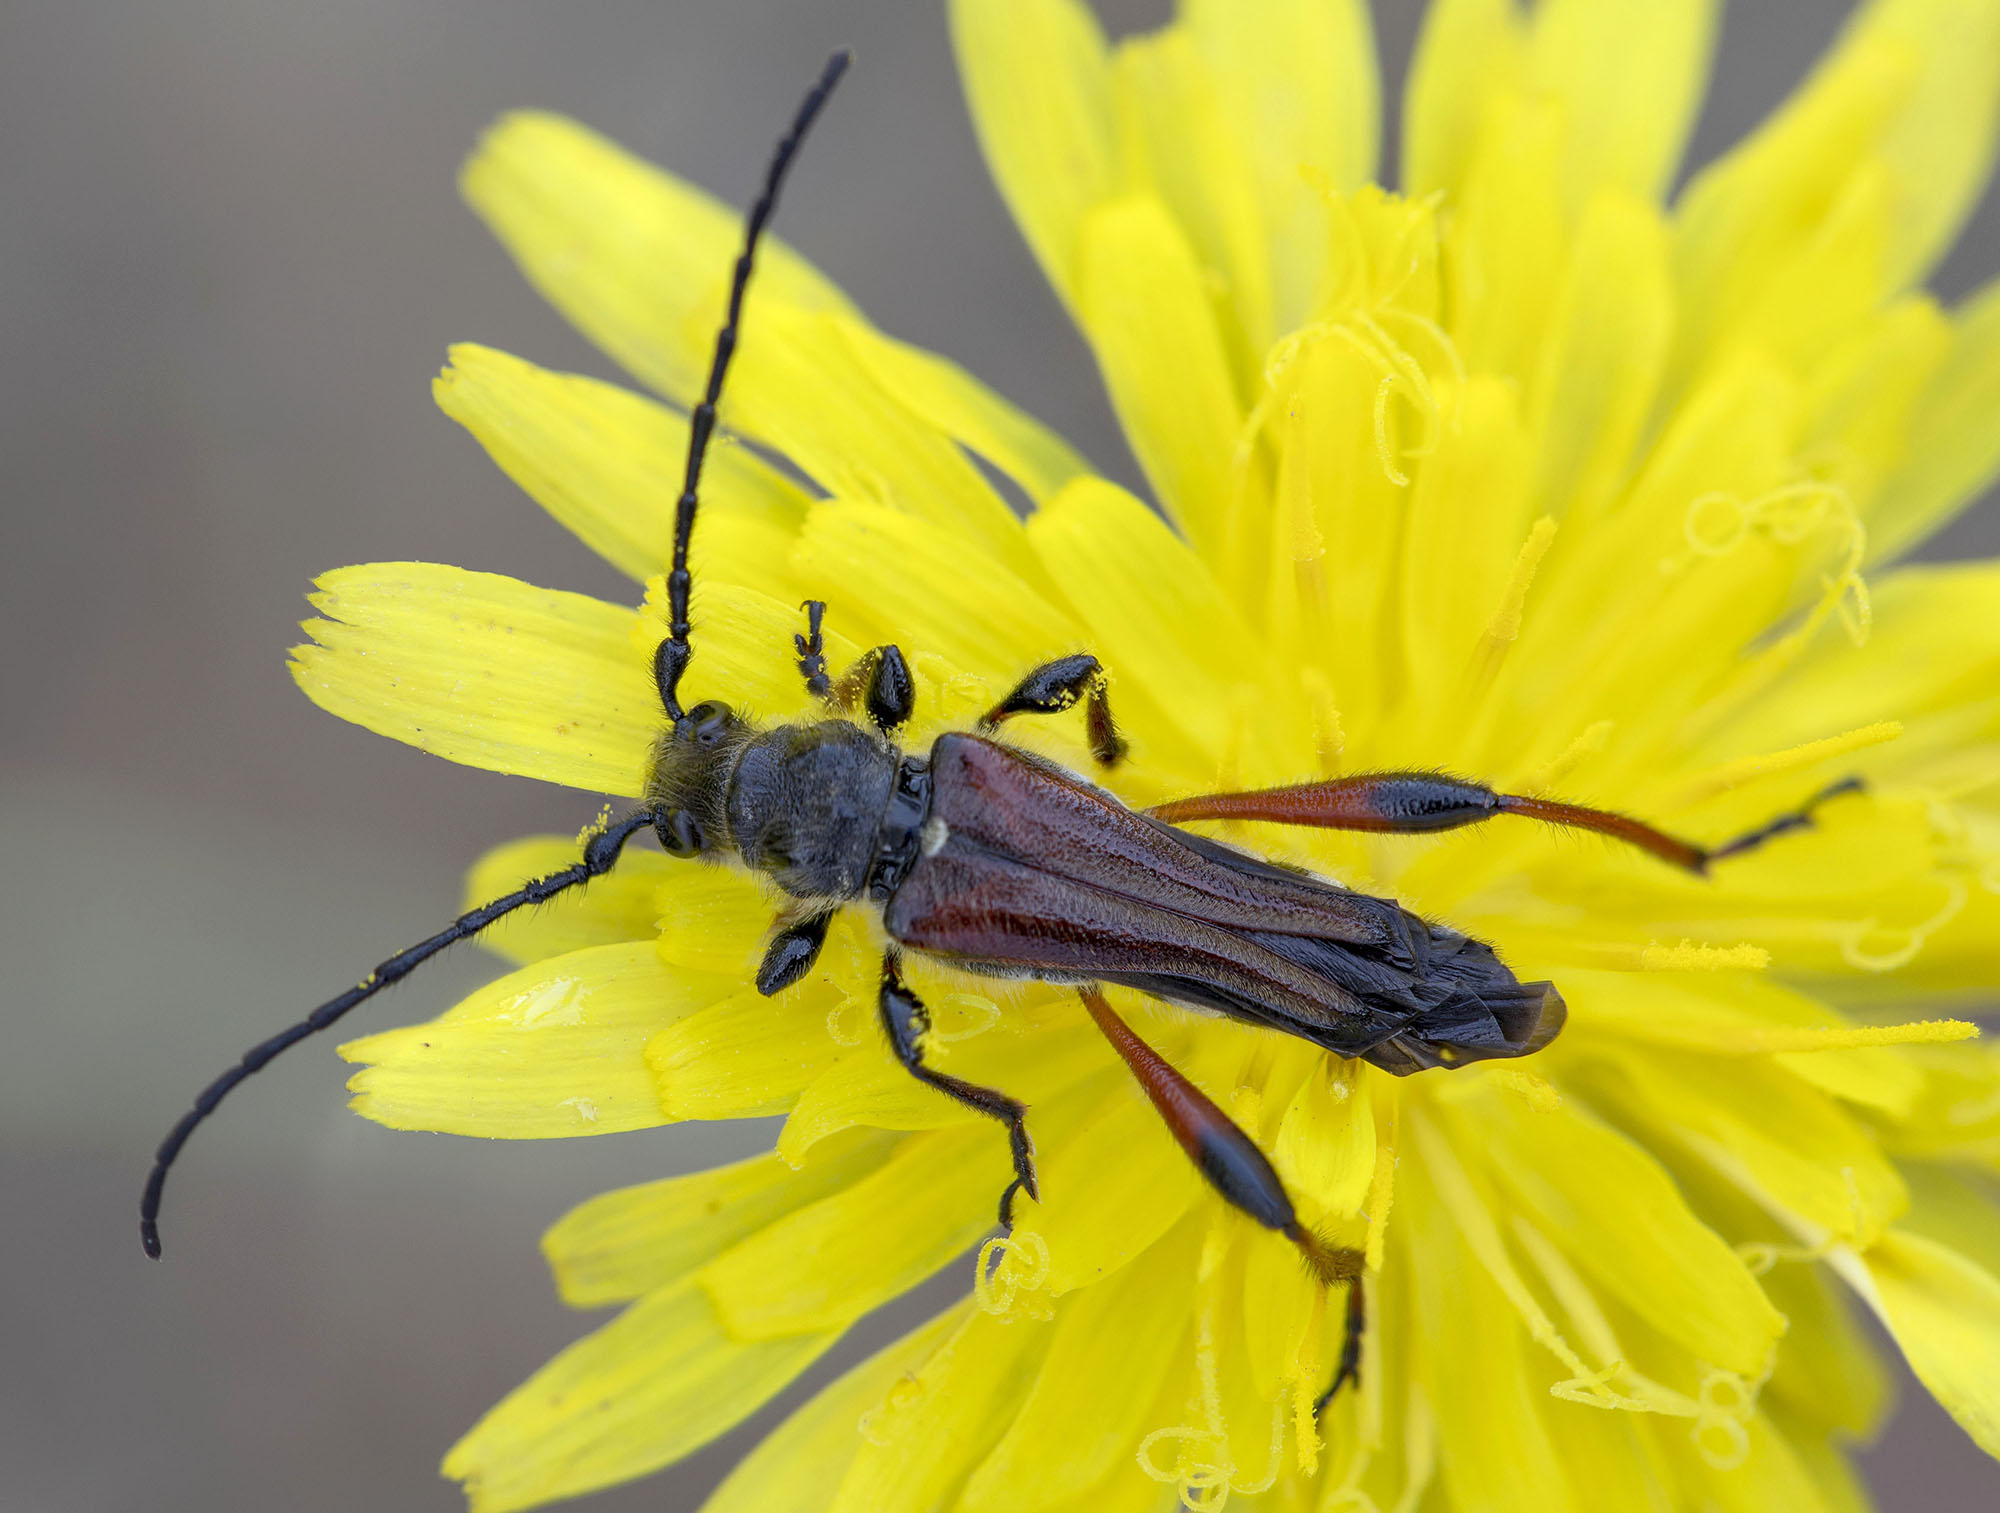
1419	802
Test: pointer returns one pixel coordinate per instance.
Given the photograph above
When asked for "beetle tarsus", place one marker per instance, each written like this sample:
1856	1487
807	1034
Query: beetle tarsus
1801	818
907	1022
1349	1369
1007	1204
879	682
812	651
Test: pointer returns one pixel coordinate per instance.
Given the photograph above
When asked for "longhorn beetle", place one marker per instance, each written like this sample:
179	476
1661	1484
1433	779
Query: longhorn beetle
984	857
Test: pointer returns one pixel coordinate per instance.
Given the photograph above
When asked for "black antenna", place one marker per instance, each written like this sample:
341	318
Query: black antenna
672	658
600	852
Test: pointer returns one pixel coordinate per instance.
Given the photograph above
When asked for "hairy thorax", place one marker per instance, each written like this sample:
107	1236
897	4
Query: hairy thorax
805	806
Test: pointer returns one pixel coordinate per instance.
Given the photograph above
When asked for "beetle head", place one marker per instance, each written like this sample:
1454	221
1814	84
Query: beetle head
688	787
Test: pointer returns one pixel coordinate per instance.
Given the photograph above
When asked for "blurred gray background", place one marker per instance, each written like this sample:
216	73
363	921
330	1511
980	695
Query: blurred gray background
231	257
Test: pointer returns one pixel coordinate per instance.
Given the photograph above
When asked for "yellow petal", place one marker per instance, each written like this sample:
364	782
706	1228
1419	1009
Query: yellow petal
1037	80
638	258
1827	1365
606	911
743	1055
934	1426
1863	400
1126	1490
1854	187
1227	1430
1179	143
712	919
1325	1150
484	670
623	1244
1863	892
1873	1076
640	261
1630	76
1602	359
1469	1356
1296	79
797	1468
1618	1213
1931	655
1783	242
1732	1015
1155	617
803	389
1468	53
1109	1354
1279	1298
1468	518
1826	1461
1142	304
1956	1207
609	464
1612	1460
660	1380
1944	1310
828	1263
869	1087
1959	1118
1752	1468
1729	440
1953	448
880	570
1109	1190
1507	233
959	405
1033	1055
1940	144
1329	573
1787	1145
551	1050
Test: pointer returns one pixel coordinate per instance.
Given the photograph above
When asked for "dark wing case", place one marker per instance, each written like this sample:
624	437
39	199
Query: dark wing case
1036	873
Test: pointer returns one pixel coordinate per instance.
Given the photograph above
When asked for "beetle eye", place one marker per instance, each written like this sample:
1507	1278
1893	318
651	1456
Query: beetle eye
710	721
679	834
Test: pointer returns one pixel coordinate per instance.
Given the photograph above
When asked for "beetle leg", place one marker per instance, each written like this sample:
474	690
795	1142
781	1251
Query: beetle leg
1800	818
879	679
1056	686
1228	1158
812	651
792	952
907	1022
1349	1369
1417	802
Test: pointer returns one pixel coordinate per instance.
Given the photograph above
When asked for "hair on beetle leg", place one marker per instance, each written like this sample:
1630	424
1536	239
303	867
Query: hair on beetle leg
1329	1264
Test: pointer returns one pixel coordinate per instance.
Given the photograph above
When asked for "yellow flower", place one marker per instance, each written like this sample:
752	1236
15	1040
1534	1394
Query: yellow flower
1518	473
